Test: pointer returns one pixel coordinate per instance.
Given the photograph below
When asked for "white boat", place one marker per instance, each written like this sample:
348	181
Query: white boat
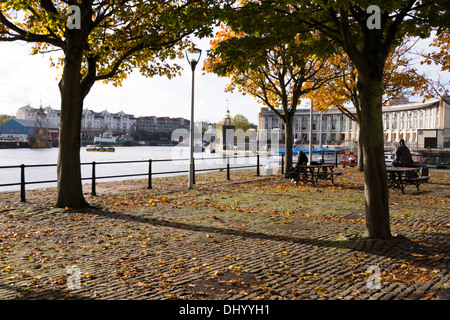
389	156
108	139
326	157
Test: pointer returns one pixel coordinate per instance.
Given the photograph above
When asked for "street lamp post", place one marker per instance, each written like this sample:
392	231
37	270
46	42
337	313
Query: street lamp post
310	131
193	57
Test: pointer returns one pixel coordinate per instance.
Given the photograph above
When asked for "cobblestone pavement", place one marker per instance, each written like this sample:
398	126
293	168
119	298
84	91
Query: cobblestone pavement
259	239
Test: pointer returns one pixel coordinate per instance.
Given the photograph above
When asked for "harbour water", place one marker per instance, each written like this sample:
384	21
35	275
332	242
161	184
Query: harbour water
16	157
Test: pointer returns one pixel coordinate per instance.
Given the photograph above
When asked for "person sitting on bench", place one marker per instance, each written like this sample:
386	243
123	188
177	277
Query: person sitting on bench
403	157
301	160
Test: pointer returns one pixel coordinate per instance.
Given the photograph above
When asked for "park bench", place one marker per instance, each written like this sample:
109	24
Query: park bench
313	173
417	181
400	177
328	175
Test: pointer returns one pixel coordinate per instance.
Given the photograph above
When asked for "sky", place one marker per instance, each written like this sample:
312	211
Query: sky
26	79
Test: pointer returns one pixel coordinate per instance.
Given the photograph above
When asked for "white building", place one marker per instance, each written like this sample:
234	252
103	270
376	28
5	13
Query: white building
421	125
333	127
92	121
29	113
106	121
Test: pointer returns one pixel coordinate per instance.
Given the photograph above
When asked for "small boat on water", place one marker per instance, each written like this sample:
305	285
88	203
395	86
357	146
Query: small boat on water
100	148
109	140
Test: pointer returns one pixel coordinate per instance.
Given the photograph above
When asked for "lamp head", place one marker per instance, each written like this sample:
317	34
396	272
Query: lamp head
193	56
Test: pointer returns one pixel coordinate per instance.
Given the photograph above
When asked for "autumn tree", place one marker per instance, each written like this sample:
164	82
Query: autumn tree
99	41
441	58
400	79
367	31
276	74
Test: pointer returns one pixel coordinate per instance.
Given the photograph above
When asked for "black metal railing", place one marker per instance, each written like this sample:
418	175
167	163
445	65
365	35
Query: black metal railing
149	174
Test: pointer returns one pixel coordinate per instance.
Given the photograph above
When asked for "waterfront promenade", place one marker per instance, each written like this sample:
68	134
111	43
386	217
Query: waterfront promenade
248	238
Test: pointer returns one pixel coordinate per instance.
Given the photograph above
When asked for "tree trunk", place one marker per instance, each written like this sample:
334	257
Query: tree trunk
375	178
288	143
70	192
360	152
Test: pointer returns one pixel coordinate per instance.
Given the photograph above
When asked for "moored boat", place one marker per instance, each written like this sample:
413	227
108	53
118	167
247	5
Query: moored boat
100	148
108	139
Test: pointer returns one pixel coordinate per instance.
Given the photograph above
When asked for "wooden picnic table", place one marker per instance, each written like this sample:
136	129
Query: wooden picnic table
315	172
400	177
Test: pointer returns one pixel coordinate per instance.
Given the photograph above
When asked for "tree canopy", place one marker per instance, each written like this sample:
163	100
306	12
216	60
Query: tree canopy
99	41
437	87
367	31
274	72
119	36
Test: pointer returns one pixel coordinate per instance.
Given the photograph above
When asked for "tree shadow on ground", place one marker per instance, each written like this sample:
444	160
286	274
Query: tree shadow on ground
399	247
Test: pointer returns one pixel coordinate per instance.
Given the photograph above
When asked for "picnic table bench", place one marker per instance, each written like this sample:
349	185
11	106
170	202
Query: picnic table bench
400	177
315	172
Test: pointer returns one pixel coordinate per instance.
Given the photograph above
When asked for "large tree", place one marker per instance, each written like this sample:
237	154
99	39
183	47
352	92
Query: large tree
367	31
401	78
277	74
99	41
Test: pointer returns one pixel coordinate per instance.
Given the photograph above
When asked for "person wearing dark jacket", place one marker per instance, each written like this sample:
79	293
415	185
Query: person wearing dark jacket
403	157
302	159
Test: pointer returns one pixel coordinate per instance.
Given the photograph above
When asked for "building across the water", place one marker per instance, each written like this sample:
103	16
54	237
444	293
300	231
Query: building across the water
91	121
153	124
21	130
421	125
